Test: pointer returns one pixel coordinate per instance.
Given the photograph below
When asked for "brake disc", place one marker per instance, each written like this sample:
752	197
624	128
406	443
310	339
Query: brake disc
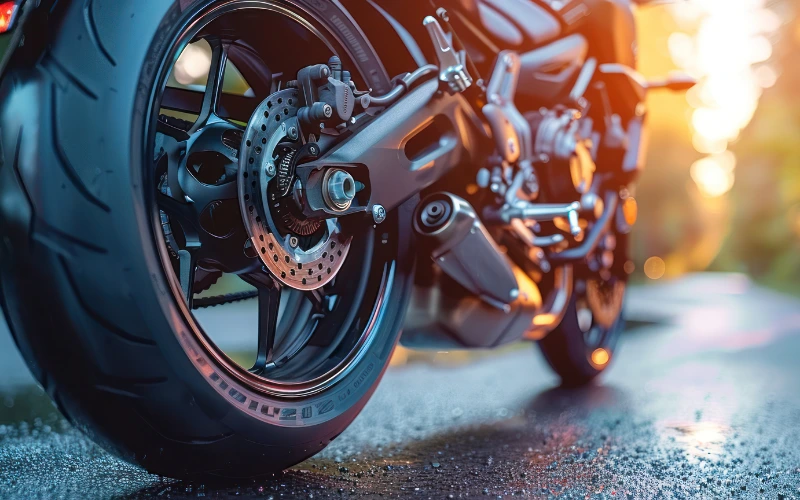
300	261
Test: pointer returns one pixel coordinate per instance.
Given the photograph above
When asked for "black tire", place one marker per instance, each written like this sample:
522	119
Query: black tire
82	283
578	356
566	351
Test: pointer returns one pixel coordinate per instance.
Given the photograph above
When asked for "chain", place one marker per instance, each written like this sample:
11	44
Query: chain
218	300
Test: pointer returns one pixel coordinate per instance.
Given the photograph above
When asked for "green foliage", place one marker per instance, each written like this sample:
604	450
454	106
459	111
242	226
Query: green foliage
765	236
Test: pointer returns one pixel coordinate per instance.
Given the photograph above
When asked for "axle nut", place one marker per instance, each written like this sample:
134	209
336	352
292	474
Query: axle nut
339	190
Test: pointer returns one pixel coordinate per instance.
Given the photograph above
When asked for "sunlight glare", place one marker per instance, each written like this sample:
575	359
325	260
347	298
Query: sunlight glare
714	175
731	43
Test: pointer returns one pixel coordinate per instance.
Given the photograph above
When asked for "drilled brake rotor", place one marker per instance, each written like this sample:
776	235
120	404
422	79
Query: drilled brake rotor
313	262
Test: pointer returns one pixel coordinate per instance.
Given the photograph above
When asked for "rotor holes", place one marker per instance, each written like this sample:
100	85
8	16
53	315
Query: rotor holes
283	275
310	272
299	265
263	250
319	278
245	174
280	100
250	209
269	104
266	114
304	281
291	101
258	150
264	128
258	219
253	184
291	271
287	259
324	255
261	237
285	111
249	143
251	160
264	140
275	257
339	253
329	270
271	246
247	197
320	267
331	258
277	118
333	244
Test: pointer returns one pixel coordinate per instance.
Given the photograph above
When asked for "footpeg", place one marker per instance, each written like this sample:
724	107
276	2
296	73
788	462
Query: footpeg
464	250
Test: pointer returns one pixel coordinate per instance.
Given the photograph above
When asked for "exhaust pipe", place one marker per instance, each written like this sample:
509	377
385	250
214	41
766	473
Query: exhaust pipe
504	304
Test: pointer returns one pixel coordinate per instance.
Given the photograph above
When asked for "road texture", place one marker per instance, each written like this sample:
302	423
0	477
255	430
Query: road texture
703	401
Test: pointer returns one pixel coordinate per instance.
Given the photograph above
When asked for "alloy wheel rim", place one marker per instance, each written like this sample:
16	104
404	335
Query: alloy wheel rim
374	263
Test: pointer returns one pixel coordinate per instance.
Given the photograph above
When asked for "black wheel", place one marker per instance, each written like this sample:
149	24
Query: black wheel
585	342
102	258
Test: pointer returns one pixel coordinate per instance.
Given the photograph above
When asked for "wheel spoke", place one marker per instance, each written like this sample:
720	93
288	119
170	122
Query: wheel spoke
216	75
188	264
269	298
318	301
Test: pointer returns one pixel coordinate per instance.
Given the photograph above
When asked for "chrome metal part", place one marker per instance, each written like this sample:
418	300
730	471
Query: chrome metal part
452	64
592	239
565	136
540	212
463	249
511	131
339	189
438	318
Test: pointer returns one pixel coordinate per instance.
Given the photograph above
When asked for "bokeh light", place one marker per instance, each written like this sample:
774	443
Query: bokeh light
726	46
655	268
600	357
193	63
714	174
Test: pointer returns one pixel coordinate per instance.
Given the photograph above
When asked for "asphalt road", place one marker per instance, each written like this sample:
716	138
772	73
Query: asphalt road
703	401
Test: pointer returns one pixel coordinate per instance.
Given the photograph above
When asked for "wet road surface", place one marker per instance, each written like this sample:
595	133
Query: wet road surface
703	401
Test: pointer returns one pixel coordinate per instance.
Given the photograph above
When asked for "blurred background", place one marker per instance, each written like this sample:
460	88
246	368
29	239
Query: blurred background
722	187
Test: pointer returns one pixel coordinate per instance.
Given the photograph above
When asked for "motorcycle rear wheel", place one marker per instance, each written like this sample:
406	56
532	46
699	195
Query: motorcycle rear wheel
84	282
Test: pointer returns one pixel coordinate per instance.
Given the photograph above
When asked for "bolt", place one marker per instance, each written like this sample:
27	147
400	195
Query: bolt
270	169
293	242
378	214
293	133
327	111
514	294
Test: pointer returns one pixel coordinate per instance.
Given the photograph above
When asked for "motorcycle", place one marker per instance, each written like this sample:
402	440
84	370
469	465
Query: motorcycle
151	151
